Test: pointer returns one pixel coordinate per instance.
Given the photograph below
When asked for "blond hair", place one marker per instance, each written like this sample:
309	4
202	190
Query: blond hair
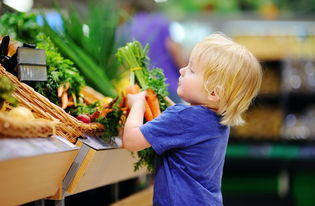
231	68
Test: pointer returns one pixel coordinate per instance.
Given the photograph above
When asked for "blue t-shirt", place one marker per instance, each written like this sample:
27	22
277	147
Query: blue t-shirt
191	144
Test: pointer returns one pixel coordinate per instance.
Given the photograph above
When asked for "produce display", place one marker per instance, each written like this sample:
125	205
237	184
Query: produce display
67	79
19	121
63	77
89	41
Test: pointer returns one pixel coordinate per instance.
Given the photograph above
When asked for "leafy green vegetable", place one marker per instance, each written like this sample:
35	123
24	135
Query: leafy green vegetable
146	159
89	43
6	90
82	108
23	27
112	123
20	26
134	57
60	70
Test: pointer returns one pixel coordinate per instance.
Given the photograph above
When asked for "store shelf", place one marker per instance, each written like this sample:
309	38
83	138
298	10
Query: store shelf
33	169
98	164
275	150
276	173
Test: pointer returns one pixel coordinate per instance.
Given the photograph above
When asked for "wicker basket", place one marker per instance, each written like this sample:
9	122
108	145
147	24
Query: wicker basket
68	126
13	127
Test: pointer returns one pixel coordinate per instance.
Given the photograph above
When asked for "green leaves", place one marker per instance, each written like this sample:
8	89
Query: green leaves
146	159
90	42
134	57
6	90
60	70
19	26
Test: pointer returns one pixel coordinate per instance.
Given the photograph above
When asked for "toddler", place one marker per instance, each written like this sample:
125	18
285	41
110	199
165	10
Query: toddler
219	83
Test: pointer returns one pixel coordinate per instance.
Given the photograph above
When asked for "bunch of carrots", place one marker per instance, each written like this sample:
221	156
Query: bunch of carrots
134	57
152	106
65	99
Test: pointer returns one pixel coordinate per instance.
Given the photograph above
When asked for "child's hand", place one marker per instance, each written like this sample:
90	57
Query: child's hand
136	98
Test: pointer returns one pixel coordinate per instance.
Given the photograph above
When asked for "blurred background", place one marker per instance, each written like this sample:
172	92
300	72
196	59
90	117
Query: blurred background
271	159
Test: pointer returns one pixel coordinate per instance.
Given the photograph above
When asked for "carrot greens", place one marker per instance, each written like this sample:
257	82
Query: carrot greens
134	58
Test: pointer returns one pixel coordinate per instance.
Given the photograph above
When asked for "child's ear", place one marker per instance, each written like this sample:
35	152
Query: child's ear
214	96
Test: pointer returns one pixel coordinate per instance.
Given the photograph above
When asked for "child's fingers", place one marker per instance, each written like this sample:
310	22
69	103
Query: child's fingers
133	98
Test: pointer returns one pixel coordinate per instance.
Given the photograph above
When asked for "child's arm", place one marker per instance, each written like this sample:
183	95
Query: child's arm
133	139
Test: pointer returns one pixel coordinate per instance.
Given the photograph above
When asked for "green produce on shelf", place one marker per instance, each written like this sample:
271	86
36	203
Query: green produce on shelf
90	43
61	71
64	82
6	90
19	26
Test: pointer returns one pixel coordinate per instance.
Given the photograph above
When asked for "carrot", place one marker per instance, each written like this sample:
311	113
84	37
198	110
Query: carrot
87	101
111	103
63	88
148	113
64	100
95	115
70	101
122	103
153	102
105	111
60	90
134	89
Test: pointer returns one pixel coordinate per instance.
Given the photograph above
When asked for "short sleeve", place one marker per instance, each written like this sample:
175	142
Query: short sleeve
182	126
165	132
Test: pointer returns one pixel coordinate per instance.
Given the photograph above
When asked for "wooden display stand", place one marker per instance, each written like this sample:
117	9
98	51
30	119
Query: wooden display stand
98	165
33	169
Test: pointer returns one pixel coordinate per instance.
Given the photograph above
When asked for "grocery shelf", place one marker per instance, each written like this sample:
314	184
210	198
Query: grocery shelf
272	150
33	169
275	172
98	164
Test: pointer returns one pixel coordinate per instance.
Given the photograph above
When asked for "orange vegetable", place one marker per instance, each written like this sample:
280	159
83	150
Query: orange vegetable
64	100
60	91
148	113
105	111
153	102
134	89
70	103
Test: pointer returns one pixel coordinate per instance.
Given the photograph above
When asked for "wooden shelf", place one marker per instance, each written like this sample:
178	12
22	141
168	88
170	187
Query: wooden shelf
33	169
96	167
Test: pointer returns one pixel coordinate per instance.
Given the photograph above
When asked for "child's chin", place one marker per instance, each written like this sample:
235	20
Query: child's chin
179	93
